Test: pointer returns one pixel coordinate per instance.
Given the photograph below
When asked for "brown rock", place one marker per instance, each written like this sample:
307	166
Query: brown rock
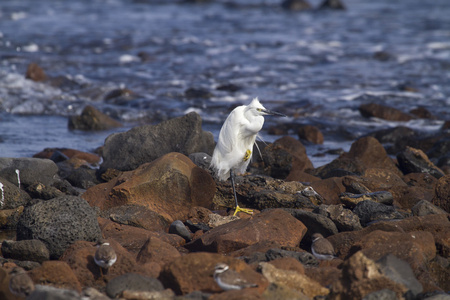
5	293
288	264
326	276
311	134
422	180
92	119
378	179
262	247
293	280
155	250
90	158
442	193
250	294
137	216
300	160
35	73
194	272
57	274
329	189
243	233
383	112
80	257
362	276
169	186
133	238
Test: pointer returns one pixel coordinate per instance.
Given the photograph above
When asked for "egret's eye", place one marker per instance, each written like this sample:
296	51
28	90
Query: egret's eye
259	109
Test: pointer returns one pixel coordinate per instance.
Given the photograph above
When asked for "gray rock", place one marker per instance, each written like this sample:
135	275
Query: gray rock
195	295
128	150
400	271
314	222
370	211
441	296
133	282
30	250
59	223
201	159
305	258
31	170
343	218
424	207
13	197
385	294
177	227
51	293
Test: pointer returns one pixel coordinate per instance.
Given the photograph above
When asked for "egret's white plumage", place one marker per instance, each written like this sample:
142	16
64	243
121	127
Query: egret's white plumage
234	147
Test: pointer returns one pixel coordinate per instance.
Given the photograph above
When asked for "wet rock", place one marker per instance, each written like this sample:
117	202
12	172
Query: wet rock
295	5
229	87
194	272
35	73
310	133
245	232
440	149
52	293
177	227
92	119
400	271
132	282
306	258
293	280
396	135
198	93
361	276
442	193
364	153
31	170
332	4
422	113
201	159
57	274
31	250
155	250
71	219
277	161
351	200
369	211
169	186
13	196
424	207
315	223
61	154
415	161
383	112
120	96
137	216
128	150
344	219
133	238
80	257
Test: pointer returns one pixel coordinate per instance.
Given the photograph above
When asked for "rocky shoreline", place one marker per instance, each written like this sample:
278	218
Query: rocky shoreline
153	198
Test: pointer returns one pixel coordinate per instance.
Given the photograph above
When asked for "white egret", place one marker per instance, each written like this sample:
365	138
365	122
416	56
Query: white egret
235	144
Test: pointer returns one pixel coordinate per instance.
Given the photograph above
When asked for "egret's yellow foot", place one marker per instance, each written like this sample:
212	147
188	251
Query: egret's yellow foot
244	210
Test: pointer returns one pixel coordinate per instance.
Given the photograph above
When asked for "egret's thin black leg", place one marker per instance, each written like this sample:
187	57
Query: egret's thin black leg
234	189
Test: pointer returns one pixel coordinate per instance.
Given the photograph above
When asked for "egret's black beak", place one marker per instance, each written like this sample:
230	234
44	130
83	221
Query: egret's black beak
273	113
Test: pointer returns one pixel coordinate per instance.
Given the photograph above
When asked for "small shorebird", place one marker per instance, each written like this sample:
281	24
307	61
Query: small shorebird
230	280
20	284
321	248
105	256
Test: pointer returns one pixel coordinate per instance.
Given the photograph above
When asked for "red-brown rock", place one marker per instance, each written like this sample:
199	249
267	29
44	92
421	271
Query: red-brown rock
57	274
35	73
311	134
329	189
70	153
169	186
442	193
194	272
275	225
383	112
92	119
155	250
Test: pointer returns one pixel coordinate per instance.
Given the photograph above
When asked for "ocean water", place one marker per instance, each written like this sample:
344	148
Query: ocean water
315	66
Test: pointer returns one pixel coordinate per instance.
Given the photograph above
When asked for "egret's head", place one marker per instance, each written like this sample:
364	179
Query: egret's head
257	109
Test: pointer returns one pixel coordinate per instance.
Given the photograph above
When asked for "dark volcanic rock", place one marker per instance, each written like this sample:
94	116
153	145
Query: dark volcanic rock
344	219
92	119
32	250
295	5
332	4
369	211
305	258
383	112
31	170
442	193
177	227
13	197
134	282
58	223
128	150
424	207
310	133
315	223
415	161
